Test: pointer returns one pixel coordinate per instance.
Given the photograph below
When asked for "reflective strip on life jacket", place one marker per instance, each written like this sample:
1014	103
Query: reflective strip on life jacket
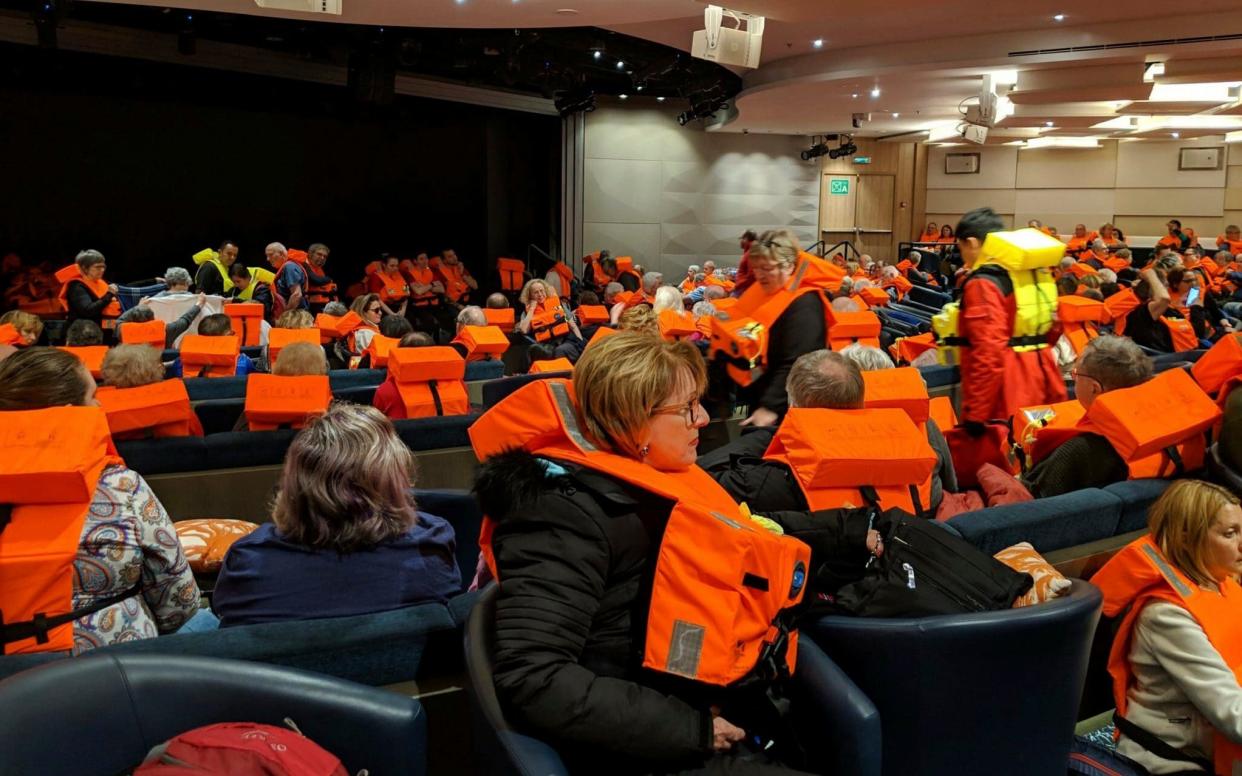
145	333
247	320
482	343
90	355
1220	364
723	586
430	381
551	365
279	339
275	401
157	410
512	274
204	356
901	389
1139	574
54	459
501	318
97	287
859	457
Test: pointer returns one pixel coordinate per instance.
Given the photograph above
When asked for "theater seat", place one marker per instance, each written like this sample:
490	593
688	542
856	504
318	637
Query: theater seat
219	415
170	454
929	297
484	370
100	715
235	449
462	511
1136	496
940	376
360	394
974	694
1047	523
838	725
203	388
496	390
435	433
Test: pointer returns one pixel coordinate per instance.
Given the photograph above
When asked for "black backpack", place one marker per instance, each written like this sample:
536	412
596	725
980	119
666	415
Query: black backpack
926	570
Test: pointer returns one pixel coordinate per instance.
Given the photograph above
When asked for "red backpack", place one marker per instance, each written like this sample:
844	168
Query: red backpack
241	749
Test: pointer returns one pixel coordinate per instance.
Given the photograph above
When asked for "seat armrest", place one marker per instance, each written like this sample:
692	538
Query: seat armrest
838	723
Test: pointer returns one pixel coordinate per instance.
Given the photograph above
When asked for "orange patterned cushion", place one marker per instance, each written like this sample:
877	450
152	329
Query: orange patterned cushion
1049	583
207	540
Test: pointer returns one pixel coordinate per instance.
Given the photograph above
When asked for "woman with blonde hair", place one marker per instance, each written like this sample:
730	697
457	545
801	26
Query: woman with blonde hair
1177	657
345	536
371	310
544	318
132	366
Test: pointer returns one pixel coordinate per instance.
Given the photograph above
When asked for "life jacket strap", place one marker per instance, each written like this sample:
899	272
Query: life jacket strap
435	396
37	627
1156	745
1030	340
1179	466
773	663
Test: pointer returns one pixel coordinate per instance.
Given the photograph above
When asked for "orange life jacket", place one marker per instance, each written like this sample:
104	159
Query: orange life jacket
455	286
320	293
391	286
1158	428
97	287
501	318
548	321
1225	244
872	296
844	329
54	460
592	314
723	585
740	330
378	349
1038	438
625	266
929	237
566	276
1080	270
1181	333
551	365
1077	244
512	274
423	276
154	411
430	381
1170	240
279	339
1119	305
247	318
687	285
203	356
327	327
151	333
906	349
1220	364
1116	264
90	355
859	457
1140	574
482	343
601	333
596	275
902	389
1079	317
941	410
900	283
712	280
276	401
676	325
9	335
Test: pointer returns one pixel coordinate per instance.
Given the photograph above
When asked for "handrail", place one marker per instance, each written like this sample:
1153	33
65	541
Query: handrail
849	246
819	244
532	247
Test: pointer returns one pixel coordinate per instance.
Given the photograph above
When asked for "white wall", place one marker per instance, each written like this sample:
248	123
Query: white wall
671	196
1135	185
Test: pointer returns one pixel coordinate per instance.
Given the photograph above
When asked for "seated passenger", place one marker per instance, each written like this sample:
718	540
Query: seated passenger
141	313
387	398
219	325
136	414
129	559
470	315
1157	322
572	546
1176	658
370	309
1089	460
28	325
345	537
83	333
297	359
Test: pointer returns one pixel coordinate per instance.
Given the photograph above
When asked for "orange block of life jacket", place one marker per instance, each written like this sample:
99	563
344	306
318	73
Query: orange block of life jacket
273	401
482	342
901	389
158	410
844	329
592	314
1220	364
430	380
512	274
1080	309
278	339
55	457
379	347
501	318
145	333
327	327
203	356
247	318
676	325
90	355
551	365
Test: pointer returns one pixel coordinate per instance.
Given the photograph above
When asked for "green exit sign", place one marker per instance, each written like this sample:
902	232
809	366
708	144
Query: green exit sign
862	160
839	186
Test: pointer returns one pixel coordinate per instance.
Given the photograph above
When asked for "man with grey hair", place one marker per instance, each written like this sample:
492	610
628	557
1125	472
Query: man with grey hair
320	289
470	315
290	282
651	281
1088	460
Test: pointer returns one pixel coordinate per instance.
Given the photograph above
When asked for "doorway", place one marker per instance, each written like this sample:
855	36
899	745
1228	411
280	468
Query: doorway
858	208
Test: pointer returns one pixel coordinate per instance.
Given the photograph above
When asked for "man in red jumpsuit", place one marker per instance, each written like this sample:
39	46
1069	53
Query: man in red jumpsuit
997	380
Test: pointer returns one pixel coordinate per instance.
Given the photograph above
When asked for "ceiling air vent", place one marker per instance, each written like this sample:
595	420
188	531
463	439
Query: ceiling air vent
1163	42
305	6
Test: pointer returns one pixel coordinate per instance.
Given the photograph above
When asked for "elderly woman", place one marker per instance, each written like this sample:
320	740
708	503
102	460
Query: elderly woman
133	366
573	548
1177	656
28	326
799	329
127	540
85	294
544	319
345	537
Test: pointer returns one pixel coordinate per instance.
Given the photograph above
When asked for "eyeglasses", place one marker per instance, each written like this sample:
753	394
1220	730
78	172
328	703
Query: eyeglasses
1076	375
687	411
374	309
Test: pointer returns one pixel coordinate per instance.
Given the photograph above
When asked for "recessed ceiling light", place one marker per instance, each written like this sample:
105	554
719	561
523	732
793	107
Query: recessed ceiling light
659	99
1058	17
854	95
620	64
567	11
1048	124
818	43
896	115
639	87
1176	135
461	2
875	92
597	54
624	96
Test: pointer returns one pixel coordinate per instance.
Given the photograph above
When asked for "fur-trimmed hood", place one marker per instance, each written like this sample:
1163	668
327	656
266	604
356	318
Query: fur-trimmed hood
510	482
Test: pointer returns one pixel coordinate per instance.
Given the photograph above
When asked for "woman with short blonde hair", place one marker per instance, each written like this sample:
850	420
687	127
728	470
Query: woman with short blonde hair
28	326
345	538
295	319
300	359
641	319
132	366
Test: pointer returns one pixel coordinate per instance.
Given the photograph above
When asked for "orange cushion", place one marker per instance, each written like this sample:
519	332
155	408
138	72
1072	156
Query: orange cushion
206	541
1049	583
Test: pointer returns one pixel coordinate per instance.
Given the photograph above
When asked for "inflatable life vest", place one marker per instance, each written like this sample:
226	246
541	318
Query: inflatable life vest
1219	365
845	329
90	355
277	401
430	381
151	333
1139	574
99	288
592	315
1019	263
902	388
512	274
247	319
1120	305
859	457
1079	317
56	457
482	343
548	321
203	356
723	586
1158	428
391	286
155	411
500	318
551	365
379	348
676	325
740	330
279	339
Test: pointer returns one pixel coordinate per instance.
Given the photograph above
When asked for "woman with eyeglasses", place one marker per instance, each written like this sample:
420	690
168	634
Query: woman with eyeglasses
574	549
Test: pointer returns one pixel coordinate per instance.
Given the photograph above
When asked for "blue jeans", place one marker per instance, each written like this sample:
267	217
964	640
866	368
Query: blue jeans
202	622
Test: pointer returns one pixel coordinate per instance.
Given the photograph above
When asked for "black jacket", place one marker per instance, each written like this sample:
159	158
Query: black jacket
84	305
798	331
208	279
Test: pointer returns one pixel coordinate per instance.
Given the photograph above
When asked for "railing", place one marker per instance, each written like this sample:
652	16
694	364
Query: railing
532	248
846	244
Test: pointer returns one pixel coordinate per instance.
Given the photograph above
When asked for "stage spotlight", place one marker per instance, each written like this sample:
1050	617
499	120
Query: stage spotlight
815	151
